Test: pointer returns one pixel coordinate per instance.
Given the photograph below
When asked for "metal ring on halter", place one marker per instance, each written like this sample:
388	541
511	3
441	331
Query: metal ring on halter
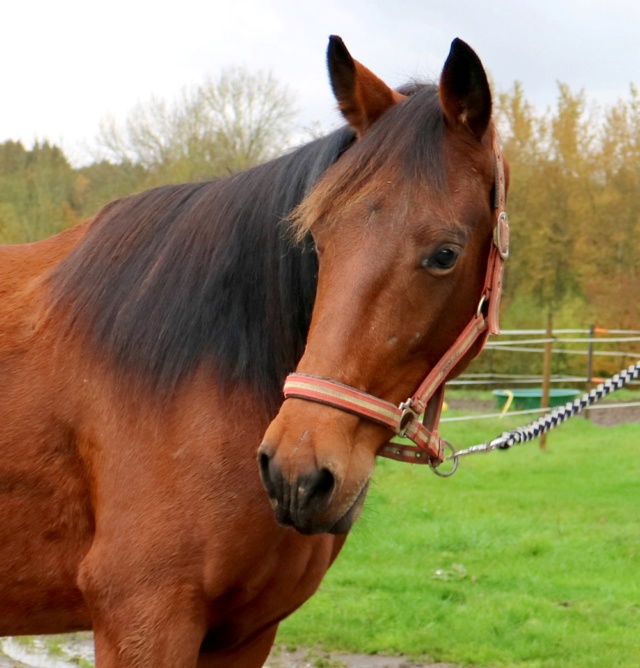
483	299
452	457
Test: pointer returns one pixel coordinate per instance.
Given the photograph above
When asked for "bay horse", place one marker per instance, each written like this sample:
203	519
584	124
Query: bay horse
143	352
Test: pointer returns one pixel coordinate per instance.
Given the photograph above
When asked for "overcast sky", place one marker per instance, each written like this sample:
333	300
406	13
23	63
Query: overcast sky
66	64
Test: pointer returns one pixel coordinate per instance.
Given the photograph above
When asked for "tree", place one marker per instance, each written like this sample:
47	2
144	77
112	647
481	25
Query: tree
219	127
611	248
103	181
552	193
36	191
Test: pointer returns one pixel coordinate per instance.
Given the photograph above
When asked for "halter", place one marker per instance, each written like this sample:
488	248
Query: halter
404	419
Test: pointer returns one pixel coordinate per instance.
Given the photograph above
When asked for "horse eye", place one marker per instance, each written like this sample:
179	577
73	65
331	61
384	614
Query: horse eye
445	258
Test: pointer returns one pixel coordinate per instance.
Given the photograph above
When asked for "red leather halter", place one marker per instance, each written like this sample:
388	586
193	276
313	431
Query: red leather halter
404	419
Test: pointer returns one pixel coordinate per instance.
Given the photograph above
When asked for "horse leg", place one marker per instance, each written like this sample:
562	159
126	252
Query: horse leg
149	632
251	654
145	637
140	618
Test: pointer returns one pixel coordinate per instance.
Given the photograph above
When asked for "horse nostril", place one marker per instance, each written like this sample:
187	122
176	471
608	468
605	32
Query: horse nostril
326	482
318	488
264	462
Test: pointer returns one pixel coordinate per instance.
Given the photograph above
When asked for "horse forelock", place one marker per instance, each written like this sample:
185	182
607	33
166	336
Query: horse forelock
407	143
204	272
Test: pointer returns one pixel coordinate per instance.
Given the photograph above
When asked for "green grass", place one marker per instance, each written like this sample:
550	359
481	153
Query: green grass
524	558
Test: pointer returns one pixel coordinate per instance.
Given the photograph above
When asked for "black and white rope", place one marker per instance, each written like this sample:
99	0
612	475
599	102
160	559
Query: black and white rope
554	417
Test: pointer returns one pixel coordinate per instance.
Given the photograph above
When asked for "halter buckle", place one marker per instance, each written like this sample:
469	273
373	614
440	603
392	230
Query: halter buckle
407	417
501	235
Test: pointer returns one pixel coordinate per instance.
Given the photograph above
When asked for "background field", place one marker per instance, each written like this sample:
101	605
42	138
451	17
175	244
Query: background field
524	558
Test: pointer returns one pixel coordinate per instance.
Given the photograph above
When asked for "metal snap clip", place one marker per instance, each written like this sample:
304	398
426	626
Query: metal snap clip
451	458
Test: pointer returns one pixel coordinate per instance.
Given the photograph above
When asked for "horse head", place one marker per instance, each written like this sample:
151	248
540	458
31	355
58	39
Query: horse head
404	226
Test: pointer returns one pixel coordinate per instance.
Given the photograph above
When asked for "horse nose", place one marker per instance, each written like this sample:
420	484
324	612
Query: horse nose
295	500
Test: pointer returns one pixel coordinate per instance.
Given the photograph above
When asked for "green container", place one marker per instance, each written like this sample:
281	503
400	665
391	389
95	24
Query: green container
526	399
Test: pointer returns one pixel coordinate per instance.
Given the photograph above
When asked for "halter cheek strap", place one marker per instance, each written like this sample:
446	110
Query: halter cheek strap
404	419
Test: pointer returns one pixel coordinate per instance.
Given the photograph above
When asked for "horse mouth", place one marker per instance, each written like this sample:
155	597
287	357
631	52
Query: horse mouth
309	525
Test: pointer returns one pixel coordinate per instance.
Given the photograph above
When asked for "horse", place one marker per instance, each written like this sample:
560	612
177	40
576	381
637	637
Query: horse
143	354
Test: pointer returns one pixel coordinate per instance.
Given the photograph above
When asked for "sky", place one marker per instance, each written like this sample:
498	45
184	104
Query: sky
68	64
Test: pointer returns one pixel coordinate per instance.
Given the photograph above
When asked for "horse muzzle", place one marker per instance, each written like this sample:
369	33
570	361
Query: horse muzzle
307	485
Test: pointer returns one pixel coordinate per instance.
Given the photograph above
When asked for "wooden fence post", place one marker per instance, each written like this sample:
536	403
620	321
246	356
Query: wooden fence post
546	373
589	383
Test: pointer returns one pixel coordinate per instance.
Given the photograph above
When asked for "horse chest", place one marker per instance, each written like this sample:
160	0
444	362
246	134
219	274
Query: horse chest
282	577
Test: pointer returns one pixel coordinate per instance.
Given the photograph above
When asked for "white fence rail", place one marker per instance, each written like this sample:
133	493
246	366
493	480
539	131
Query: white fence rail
530	341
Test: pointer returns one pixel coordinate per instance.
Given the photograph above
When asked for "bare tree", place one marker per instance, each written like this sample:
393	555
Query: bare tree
219	127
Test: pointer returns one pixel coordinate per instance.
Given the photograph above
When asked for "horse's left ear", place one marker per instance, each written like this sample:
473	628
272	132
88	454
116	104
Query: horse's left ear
464	90
362	97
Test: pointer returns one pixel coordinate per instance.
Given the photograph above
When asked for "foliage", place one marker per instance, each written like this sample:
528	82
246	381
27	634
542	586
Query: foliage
219	127
574	200
525	558
37	192
574	205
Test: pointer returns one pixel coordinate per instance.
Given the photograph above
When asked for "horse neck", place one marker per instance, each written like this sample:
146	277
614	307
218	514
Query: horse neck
182	275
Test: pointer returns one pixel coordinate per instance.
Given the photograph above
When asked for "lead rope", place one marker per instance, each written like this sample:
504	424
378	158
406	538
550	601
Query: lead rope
553	418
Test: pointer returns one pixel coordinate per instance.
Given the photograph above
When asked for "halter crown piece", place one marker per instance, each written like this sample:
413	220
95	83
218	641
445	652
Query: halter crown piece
404	419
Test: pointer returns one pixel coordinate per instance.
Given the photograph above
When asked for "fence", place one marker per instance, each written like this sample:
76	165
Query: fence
584	343
570	358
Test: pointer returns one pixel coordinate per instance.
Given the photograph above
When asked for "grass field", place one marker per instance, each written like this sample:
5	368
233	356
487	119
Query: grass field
524	558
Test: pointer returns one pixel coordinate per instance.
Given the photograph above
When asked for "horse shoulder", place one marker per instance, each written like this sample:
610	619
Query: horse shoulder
179	485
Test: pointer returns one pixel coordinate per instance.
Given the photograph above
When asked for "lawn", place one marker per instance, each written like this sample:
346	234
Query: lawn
524	558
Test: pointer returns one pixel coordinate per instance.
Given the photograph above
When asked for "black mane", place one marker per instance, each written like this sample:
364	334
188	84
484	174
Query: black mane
209	272
203	271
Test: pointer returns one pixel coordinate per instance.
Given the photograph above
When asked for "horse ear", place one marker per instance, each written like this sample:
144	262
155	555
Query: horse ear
362	97
465	95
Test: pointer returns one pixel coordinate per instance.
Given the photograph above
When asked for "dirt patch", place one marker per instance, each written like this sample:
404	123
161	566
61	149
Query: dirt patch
470	406
74	650
303	658
610	417
605	417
